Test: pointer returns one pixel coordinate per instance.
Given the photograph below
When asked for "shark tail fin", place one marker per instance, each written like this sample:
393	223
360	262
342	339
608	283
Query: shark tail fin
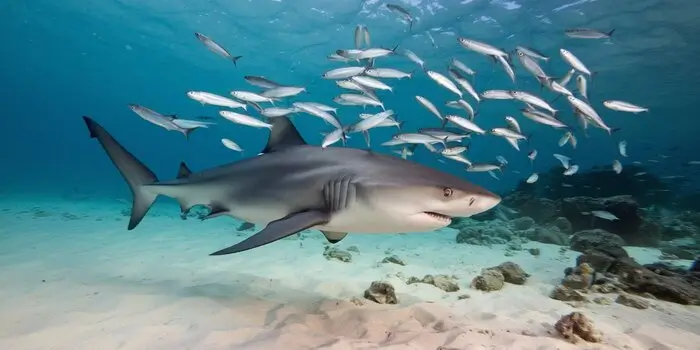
136	174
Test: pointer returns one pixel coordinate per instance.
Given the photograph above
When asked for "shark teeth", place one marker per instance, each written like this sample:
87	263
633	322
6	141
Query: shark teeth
438	216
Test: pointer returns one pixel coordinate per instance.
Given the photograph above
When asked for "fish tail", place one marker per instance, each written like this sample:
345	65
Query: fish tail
610	33
613	130
235	59
136	174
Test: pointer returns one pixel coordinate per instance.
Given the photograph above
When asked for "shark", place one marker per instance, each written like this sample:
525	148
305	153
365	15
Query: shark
293	186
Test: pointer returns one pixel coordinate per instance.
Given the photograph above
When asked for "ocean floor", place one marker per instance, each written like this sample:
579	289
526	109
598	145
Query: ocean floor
73	277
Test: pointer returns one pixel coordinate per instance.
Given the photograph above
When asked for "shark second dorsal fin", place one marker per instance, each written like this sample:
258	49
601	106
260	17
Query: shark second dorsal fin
184	171
282	135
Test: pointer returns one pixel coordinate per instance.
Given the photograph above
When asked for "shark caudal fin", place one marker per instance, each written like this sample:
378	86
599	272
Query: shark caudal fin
136	174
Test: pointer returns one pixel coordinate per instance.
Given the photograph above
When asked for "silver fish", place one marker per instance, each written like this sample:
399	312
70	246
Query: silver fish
543	118
623	106
216	48
465	123
371	122
444	82
214	100
374	53
532	178
169	123
359	36
482	48
533	100
371	82
507	67
462	104
360	100
261	82
461	66
530	65
333	137
244	119
417	138
532	53
588	33
322	107
274	112
387	73
589	112
453	151
429	106
497	95
313	110
251	97
622	147
582	86
574	62
532	155
414	58
571	170
444	134
231	145
565	161
513	124
617	166
343	73
508	133
567	77
483	167
464	83
403	13
606	215
283	91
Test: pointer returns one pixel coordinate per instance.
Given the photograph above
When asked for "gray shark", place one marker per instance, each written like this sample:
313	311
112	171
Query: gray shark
292	186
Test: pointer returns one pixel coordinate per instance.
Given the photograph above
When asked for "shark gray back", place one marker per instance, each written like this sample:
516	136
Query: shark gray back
293	186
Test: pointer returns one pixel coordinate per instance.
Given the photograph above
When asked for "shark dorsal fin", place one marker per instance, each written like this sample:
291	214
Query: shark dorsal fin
184	171
282	135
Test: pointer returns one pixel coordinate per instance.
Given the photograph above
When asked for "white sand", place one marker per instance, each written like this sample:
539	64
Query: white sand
88	284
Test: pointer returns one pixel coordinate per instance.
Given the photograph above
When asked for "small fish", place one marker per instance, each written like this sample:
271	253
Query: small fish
414	58
371	122
417	138
502	160
215	100
250	97
283	91
493	175
274	112
571	170
588	33
532	53
444	82
483	167
333	137
558	88
482	48
261	82
358	100
574	62
622	147
602	214
228	143
429	106
533	100
343	73
567	77
371	82
464	83
465	123
532	155
507	67
513	124
617	166
244	119
533	178
169	123
387	73
582	86
403	13
568	137
374	53
565	161
461	66
462	104
530	64
641	173
623	106
314	110
322	107
459	158
388	122
447	134
359	36
453	151
216	48
543	118
589	112
497	95
508	133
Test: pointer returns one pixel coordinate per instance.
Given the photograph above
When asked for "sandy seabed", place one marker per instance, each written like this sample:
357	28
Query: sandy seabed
73	277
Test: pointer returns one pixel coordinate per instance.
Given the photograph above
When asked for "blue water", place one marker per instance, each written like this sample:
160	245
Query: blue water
62	60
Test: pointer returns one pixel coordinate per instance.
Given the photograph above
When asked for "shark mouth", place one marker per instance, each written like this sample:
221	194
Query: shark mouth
438	216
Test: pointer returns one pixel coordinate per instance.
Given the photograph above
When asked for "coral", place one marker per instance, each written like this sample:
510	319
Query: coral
382	293
576	326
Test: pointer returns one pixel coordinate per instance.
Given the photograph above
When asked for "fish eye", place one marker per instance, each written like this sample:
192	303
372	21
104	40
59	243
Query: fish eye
447	192
520	53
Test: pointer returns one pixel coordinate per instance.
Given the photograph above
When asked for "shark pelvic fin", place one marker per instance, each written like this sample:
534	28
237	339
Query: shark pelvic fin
184	171
334	237
282	135
136	174
278	229
215	211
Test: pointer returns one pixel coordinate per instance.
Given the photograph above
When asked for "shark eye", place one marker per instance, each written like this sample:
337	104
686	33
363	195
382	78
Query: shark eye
447	192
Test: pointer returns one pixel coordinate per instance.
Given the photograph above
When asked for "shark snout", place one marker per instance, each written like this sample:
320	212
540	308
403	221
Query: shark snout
487	200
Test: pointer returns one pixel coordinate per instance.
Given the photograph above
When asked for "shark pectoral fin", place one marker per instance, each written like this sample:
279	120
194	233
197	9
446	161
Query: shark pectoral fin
334	237
279	229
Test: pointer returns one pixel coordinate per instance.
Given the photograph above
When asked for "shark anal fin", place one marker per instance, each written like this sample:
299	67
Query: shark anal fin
245	226
184	171
339	194
278	229
282	135
215	212
334	237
